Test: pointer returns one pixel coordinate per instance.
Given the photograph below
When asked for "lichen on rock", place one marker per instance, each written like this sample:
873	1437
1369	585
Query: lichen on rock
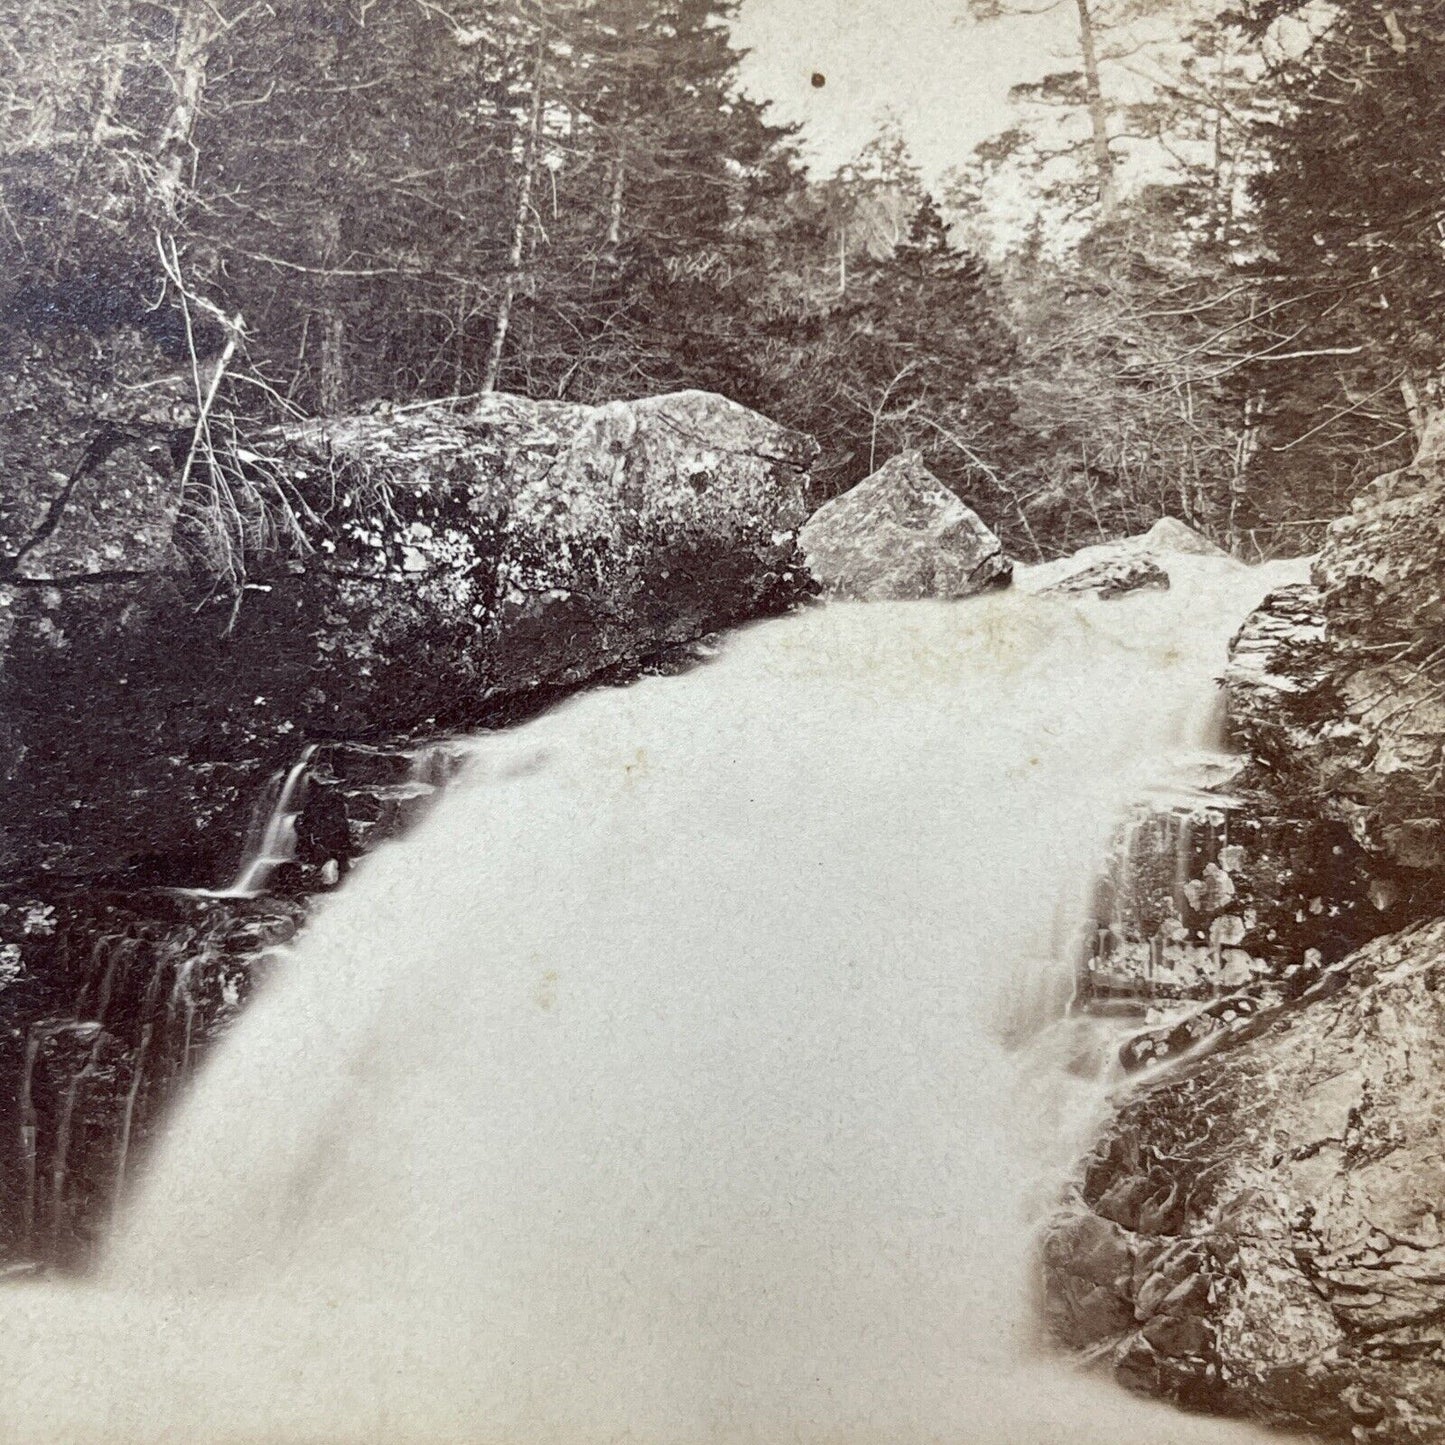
446	560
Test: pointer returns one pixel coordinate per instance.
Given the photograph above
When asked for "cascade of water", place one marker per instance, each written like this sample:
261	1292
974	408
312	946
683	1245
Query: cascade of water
271	840
691	1075
127	1126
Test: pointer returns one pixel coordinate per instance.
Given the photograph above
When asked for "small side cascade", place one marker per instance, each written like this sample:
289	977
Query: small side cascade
90	1075
1212	908
271	839
1168	916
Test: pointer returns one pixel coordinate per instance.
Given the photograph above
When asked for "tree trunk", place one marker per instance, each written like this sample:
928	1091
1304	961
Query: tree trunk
614	210
1246	445
1425	404
1221	188
1098	114
197	33
117	58
333	365
530	155
333	387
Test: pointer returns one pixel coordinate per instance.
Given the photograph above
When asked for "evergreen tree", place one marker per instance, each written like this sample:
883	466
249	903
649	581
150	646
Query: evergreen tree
915	352
1350	258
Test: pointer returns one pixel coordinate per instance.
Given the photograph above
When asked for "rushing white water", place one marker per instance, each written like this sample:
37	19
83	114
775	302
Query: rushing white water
694	1074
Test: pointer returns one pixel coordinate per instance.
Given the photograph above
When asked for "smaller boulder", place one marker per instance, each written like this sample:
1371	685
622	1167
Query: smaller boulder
1169	534
902	535
1115	577
1128	564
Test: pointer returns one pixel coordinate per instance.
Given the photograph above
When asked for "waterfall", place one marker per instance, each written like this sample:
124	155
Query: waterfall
697	1072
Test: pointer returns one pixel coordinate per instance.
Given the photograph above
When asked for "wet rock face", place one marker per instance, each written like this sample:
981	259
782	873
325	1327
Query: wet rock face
1220	900
110	999
1340	687
901	535
1202	897
1260	1232
436	565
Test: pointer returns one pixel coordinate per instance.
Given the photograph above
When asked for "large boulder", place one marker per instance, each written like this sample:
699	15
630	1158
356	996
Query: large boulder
369	577
902	535
553	540
1261	1231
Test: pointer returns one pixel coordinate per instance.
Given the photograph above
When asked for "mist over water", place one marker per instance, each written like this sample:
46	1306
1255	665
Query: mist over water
696	1072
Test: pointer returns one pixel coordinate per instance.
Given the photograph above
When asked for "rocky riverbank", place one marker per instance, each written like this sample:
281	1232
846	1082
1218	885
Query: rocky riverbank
1256	1230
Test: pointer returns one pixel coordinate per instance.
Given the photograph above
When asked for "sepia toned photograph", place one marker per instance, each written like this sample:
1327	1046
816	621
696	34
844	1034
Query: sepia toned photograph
722	722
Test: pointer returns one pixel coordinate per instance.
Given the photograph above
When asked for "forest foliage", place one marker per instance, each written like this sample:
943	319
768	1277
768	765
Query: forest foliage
1198	273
